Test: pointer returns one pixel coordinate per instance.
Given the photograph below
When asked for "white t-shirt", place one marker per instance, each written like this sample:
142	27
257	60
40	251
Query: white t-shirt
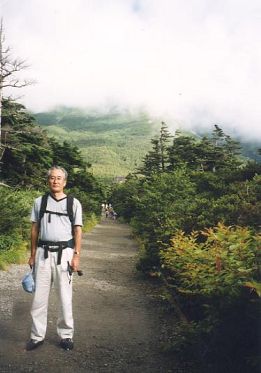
55	227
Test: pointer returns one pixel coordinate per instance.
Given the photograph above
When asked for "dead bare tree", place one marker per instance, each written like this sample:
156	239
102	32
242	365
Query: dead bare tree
9	68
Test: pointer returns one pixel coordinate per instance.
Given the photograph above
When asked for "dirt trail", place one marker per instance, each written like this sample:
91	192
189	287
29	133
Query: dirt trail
118	321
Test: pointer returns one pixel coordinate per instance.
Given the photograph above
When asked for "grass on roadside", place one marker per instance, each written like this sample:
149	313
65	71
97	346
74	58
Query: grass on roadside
89	222
14	255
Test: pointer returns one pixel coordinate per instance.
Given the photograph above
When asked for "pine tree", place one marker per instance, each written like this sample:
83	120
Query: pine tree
163	143
27	152
9	68
152	160
156	159
183	151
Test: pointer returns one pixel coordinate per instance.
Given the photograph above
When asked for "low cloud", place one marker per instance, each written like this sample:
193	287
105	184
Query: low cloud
194	63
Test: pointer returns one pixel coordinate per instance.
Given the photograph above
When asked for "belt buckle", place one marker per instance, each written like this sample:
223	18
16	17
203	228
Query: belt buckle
53	247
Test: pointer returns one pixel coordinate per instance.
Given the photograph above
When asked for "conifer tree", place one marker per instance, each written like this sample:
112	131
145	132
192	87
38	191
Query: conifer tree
152	160
9	67
156	159
183	151
163	143
225	150
27	152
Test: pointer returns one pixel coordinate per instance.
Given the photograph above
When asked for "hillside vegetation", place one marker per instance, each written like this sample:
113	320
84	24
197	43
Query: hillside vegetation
27	154
114	143
195	209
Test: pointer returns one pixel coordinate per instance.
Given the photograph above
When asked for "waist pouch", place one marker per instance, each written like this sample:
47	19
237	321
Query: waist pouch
57	246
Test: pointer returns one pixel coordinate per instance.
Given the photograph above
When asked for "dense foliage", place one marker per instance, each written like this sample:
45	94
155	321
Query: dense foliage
216	283
114	140
217	267
28	153
195	206
203	182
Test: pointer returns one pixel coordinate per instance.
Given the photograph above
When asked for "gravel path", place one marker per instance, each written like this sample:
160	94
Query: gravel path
118	320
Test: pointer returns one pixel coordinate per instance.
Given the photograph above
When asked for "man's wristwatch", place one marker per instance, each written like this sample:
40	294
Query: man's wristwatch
76	252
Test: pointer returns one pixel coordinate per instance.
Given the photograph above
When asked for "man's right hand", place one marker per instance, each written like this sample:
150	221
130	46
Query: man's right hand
31	261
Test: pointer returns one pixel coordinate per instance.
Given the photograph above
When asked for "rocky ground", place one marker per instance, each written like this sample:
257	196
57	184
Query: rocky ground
120	323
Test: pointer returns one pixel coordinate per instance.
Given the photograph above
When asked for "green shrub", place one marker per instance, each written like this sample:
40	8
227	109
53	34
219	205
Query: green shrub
220	266
89	222
14	224
217	283
15	210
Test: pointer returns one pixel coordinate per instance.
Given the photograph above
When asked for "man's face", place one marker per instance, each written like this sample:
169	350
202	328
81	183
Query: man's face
56	181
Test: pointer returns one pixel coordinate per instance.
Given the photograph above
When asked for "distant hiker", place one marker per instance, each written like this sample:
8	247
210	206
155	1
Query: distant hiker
110	211
114	214
55	247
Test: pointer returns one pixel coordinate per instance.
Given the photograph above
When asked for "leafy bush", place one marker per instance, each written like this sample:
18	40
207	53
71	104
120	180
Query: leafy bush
14	224
220	266
15	210
218	283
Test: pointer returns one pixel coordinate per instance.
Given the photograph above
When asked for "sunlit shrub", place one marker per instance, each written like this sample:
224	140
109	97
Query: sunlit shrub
220	266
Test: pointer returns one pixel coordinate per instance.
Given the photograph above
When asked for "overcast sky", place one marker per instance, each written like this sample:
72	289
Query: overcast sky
193	62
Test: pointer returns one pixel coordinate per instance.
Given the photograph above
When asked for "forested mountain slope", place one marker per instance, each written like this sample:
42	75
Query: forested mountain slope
113	142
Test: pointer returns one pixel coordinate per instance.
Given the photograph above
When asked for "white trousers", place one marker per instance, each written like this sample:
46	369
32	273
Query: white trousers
47	272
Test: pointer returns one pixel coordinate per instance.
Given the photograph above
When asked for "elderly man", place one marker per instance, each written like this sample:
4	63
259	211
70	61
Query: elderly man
55	251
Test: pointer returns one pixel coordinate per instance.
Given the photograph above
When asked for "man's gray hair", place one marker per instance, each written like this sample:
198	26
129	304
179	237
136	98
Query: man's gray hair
57	168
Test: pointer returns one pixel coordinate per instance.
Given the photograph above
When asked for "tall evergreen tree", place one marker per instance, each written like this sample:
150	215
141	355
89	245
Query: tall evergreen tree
30	152
152	160
9	68
218	136
225	150
156	159
27	152
183	151
164	142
